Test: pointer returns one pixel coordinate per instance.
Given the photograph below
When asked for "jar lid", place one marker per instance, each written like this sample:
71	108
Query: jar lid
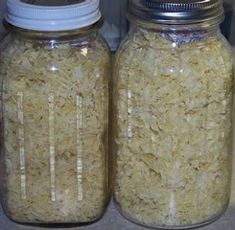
177	12
52	15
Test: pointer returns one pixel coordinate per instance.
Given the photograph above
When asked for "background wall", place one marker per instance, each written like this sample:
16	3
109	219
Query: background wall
228	26
2	9
115	26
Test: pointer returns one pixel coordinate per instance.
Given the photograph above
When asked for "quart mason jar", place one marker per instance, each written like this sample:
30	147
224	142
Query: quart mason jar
55	70
173	93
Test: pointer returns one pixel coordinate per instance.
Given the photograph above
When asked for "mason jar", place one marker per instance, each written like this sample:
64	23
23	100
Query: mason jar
173	94
55	70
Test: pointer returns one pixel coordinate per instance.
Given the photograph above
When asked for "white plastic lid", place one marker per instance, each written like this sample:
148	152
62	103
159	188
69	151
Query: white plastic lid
52	15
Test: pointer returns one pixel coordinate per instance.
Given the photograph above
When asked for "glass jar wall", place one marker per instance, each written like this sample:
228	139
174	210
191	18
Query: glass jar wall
173	95
55	118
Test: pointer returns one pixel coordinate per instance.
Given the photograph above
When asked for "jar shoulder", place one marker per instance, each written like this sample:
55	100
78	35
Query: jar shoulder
44	67
141	45
146	61
88	46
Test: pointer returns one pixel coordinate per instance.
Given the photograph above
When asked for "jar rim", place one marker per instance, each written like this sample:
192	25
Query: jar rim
172	12
57	35
32	15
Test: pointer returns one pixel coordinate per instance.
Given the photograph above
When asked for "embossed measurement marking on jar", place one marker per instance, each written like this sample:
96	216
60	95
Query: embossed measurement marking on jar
52	144
79	147
129	106
20	100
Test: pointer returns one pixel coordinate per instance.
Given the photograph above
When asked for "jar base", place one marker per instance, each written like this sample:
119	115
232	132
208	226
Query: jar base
56	224
193	226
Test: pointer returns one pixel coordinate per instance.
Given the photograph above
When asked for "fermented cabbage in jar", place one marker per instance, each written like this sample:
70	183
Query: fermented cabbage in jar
173	126
55	114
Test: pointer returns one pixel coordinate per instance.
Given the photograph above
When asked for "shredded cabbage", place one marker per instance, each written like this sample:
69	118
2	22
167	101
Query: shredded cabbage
173	128
55	112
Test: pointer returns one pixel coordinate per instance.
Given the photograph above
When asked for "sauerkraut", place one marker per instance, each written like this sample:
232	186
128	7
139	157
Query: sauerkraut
55	108
173	102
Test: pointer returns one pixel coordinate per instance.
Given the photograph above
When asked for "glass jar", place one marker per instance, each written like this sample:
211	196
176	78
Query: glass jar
173	94
55	113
